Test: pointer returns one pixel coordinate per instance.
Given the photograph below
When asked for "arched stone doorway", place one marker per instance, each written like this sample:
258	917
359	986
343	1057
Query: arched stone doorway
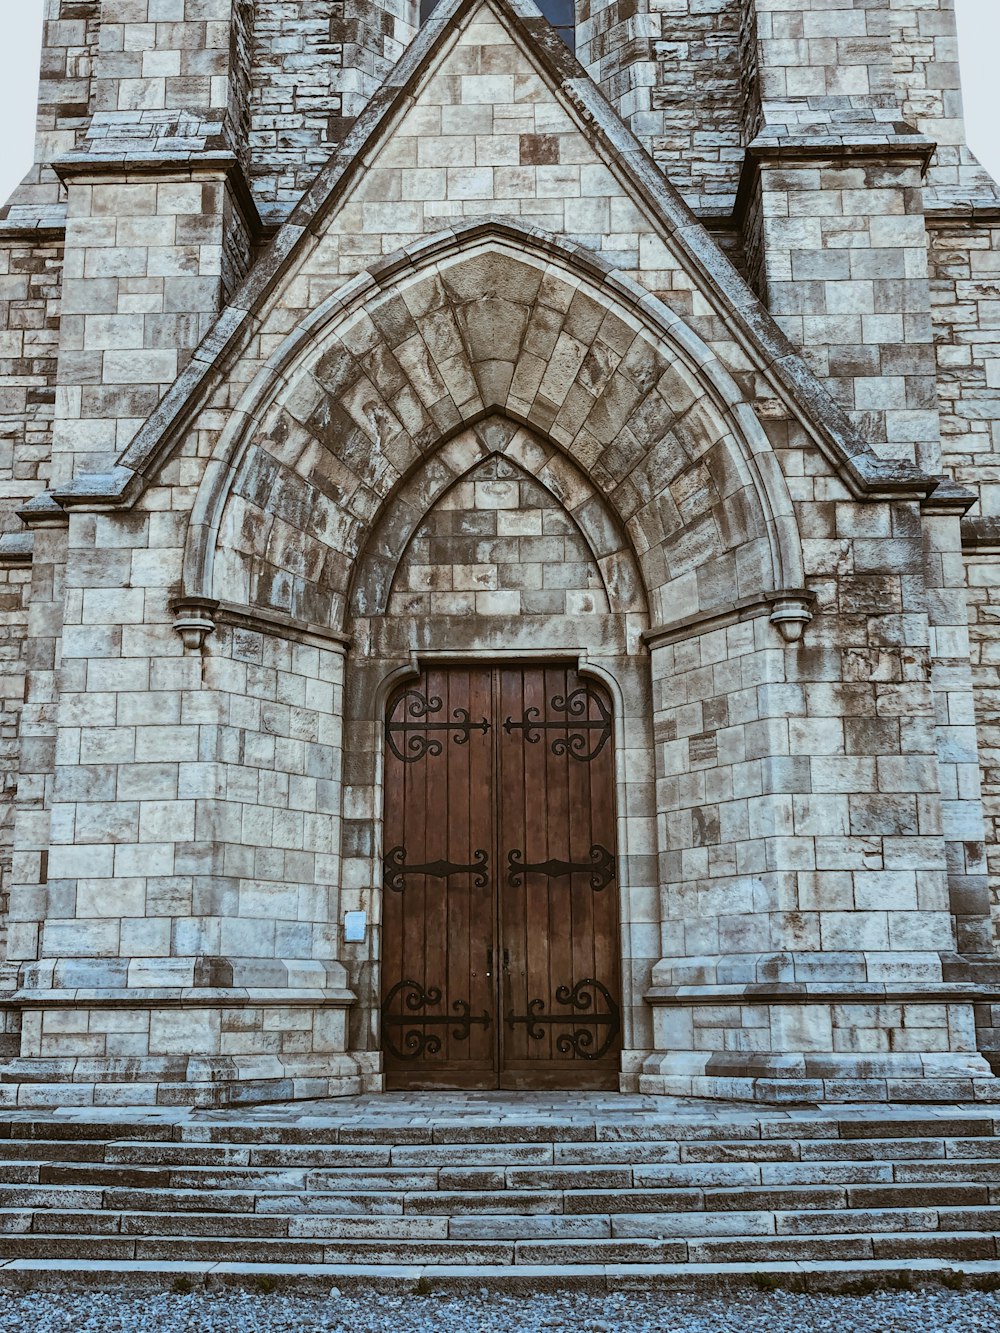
499	559
494	346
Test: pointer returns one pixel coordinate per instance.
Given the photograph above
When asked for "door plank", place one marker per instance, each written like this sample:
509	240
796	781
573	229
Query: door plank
439	1031
569	969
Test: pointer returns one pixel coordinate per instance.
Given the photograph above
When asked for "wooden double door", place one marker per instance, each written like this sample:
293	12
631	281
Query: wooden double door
500	952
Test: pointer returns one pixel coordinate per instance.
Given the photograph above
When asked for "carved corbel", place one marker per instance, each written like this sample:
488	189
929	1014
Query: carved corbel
791	613
194	620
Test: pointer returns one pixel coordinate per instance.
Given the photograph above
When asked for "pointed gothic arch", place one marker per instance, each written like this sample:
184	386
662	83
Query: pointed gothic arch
599	637
568	488
490	319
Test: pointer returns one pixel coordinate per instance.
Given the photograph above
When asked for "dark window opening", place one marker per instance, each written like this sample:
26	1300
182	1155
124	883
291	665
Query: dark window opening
560	13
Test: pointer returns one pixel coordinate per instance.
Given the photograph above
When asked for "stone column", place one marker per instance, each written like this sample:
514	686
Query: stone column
832	212
805	888
833	208
176	915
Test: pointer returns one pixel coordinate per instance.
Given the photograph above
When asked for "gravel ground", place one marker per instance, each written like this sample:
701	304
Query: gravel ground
241	1312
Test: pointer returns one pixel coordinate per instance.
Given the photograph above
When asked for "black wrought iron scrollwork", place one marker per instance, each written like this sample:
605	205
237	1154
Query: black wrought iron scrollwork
586	736
417	1042
412	723
395	869
581	1041
601	866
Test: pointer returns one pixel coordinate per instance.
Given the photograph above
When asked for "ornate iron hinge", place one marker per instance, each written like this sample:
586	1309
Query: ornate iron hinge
415	1040
395	869
601	866
581	1041
418	707
587	736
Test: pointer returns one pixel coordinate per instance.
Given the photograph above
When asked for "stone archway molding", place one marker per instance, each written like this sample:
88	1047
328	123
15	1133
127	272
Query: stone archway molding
658	405
558	475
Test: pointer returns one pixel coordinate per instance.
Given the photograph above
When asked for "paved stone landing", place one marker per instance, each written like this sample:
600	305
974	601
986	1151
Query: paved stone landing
496	1187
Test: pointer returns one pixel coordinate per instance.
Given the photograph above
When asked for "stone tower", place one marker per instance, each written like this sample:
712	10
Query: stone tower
500	539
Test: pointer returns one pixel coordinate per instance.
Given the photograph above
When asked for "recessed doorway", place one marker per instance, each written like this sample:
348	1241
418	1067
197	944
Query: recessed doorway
501	962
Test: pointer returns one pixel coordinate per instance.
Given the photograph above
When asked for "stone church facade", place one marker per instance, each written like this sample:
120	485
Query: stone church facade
421	424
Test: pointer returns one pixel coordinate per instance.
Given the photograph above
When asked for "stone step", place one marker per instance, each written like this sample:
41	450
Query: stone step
516	1166
740	1250
163	1153
169	1249
407	1189
31	1150
819	1276
355	1225
377	1130
625	1176
495	1226
431	1201
352	1223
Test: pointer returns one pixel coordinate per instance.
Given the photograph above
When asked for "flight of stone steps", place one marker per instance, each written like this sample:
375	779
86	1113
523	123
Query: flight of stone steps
557	1189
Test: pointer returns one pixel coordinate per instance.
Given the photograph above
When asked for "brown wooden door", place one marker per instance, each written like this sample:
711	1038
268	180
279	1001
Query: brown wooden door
500	955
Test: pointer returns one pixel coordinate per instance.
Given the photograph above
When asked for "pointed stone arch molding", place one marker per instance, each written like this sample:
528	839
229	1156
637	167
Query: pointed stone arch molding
569	487
484	320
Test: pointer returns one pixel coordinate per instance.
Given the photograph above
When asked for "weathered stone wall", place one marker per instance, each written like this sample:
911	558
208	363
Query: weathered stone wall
695	124
565	440
673	71
174	77
802	796
149	257
316	64
37	746
30	282
845	274
15	581
964	256
150	731
186	829
983	576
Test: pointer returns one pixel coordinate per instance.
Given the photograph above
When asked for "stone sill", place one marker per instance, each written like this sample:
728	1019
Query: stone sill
181	997
782	992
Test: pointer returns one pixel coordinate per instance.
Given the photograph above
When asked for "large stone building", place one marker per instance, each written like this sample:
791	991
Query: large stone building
501	528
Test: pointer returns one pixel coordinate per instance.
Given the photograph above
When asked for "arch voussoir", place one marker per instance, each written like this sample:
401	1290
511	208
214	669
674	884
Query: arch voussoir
624	394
